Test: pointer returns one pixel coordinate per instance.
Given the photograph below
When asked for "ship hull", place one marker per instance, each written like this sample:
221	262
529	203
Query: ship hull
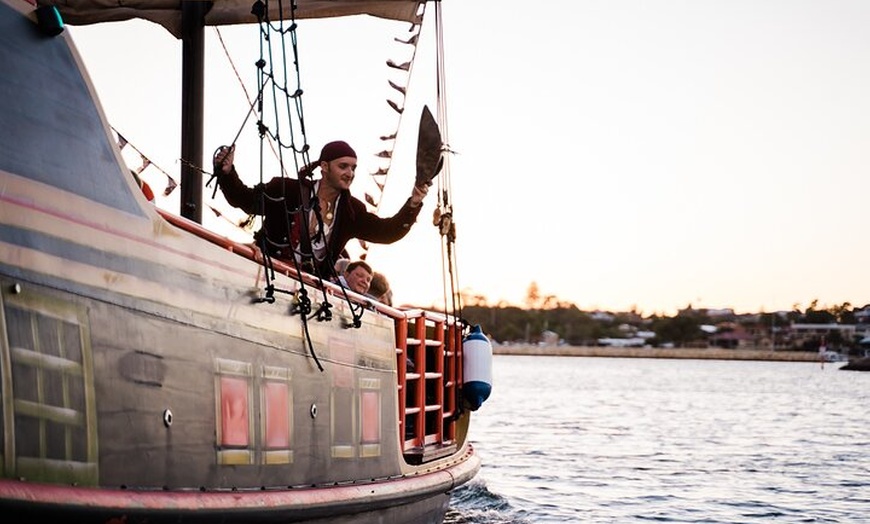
423	499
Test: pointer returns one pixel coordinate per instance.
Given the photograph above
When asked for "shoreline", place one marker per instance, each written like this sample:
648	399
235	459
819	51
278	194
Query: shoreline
675	353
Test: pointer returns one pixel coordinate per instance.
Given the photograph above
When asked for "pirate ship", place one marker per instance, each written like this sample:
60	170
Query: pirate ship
152	370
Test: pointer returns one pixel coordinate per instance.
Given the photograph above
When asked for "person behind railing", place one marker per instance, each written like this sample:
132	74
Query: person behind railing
357	277
340	267
334	215
379	289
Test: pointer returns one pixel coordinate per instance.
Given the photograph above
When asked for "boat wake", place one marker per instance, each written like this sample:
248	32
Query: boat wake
474	503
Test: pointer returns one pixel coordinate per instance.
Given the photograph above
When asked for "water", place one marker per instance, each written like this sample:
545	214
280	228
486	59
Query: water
600	440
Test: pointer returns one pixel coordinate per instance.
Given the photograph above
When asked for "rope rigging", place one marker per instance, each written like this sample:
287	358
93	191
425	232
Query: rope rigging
288	137
443	217
292	98
281	124
272	32
291	102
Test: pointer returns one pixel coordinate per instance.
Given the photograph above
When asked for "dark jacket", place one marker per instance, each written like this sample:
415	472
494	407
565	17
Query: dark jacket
279	201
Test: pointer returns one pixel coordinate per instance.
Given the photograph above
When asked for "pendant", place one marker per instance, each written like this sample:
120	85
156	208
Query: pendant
329	216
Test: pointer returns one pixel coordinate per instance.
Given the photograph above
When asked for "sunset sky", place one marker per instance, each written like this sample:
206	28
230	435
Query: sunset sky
620	154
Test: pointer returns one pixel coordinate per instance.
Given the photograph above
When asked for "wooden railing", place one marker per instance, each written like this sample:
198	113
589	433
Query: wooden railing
429	364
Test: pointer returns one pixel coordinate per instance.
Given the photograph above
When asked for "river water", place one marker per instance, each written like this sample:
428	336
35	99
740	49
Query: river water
611	440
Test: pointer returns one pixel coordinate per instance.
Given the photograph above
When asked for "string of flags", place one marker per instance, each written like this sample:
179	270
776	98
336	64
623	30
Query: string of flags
380	176
171	183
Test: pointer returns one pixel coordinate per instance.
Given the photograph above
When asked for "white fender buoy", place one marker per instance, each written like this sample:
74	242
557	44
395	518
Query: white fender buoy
476	368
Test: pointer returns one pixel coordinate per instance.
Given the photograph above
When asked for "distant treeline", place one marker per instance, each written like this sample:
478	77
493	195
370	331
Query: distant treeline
568	324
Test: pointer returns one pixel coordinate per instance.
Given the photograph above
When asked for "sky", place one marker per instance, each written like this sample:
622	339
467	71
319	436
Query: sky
645	155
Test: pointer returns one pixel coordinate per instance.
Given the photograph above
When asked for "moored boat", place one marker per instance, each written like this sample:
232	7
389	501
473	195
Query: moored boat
156	371
857	364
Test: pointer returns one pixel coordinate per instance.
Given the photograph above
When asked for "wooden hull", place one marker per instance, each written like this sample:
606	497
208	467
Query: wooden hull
397	500
145	379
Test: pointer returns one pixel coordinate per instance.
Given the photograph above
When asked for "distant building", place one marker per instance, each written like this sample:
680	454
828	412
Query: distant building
730	335
804	335
633	342
601	316
549	338
718	314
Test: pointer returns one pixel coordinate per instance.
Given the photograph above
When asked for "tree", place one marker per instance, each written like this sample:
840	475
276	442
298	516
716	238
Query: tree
681	329
844	313
533	295
822	316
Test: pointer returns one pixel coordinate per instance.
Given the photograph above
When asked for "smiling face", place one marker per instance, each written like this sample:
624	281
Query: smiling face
338	174
359	279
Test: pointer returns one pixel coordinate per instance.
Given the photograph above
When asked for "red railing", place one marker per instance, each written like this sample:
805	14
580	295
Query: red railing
429	364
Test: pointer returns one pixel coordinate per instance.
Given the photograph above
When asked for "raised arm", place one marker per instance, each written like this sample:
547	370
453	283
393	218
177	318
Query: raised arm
235	191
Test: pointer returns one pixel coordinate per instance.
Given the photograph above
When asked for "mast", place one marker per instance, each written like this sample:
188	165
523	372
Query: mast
192	84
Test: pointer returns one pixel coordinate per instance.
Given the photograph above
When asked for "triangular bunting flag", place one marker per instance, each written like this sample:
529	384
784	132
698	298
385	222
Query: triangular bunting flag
171	184
412	40
121	141
403	67
385	154
370	199
396	86
395	107
389	137
145	164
